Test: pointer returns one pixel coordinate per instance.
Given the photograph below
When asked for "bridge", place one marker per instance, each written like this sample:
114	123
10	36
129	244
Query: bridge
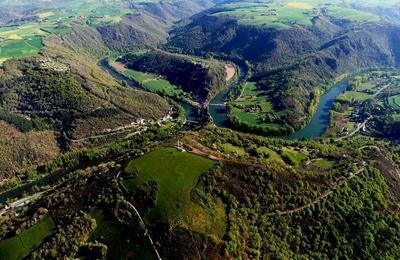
218	104
191	122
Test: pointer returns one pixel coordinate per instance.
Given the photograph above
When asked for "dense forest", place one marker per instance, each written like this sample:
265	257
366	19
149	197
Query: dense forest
201	78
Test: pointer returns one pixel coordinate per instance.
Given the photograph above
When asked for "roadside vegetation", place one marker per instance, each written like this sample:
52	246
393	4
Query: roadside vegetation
371	99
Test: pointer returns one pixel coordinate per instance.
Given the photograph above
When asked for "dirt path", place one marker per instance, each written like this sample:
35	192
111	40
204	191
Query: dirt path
199	149
143	225
341	182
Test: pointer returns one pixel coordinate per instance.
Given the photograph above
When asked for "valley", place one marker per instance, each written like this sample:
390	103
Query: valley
199	129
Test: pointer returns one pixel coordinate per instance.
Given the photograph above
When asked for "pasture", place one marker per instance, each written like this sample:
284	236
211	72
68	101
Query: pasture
20	48
154	83
252	106
268	153
176	174
394	102
323	164
22	40
232	149
296	157
284	15
19	246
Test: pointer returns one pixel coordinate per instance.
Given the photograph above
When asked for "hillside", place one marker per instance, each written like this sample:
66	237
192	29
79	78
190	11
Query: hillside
70	95
244	197
149	25
199	129
198	77
19	150
292	64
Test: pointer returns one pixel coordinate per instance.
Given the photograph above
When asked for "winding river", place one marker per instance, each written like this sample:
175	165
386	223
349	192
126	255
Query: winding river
218	112
321	118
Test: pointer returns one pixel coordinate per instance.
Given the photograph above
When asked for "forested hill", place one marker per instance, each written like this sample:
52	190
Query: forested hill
201	78
149	26
293	55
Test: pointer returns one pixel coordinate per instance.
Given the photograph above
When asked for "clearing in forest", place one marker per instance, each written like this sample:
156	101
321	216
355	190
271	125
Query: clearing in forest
176	174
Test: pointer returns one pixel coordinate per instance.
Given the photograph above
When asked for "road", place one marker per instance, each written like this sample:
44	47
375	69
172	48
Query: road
22	202
146	231
363	124
358	128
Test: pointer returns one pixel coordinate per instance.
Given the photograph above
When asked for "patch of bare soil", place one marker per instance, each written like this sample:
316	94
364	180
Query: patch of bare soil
230	71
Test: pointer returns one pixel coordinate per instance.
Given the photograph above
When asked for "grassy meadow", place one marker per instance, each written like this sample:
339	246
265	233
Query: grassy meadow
176	174
154	83
19	246
284	15
252	106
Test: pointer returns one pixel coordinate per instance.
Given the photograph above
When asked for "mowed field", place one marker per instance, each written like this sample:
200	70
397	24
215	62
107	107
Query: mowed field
176	174
20	48
154	83
284	15
22	244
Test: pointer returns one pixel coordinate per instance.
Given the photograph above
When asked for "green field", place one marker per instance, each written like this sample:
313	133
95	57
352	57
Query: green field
176	173
252	106
323	164
394	102
252	101
269	153
24	39
353	96
231	149
154	83
297	157
284	15
20	48
21	245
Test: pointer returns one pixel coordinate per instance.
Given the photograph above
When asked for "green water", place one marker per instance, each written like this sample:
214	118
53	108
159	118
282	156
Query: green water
320	121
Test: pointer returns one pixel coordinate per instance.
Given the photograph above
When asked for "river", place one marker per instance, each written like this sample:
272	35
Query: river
321	118
218	112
